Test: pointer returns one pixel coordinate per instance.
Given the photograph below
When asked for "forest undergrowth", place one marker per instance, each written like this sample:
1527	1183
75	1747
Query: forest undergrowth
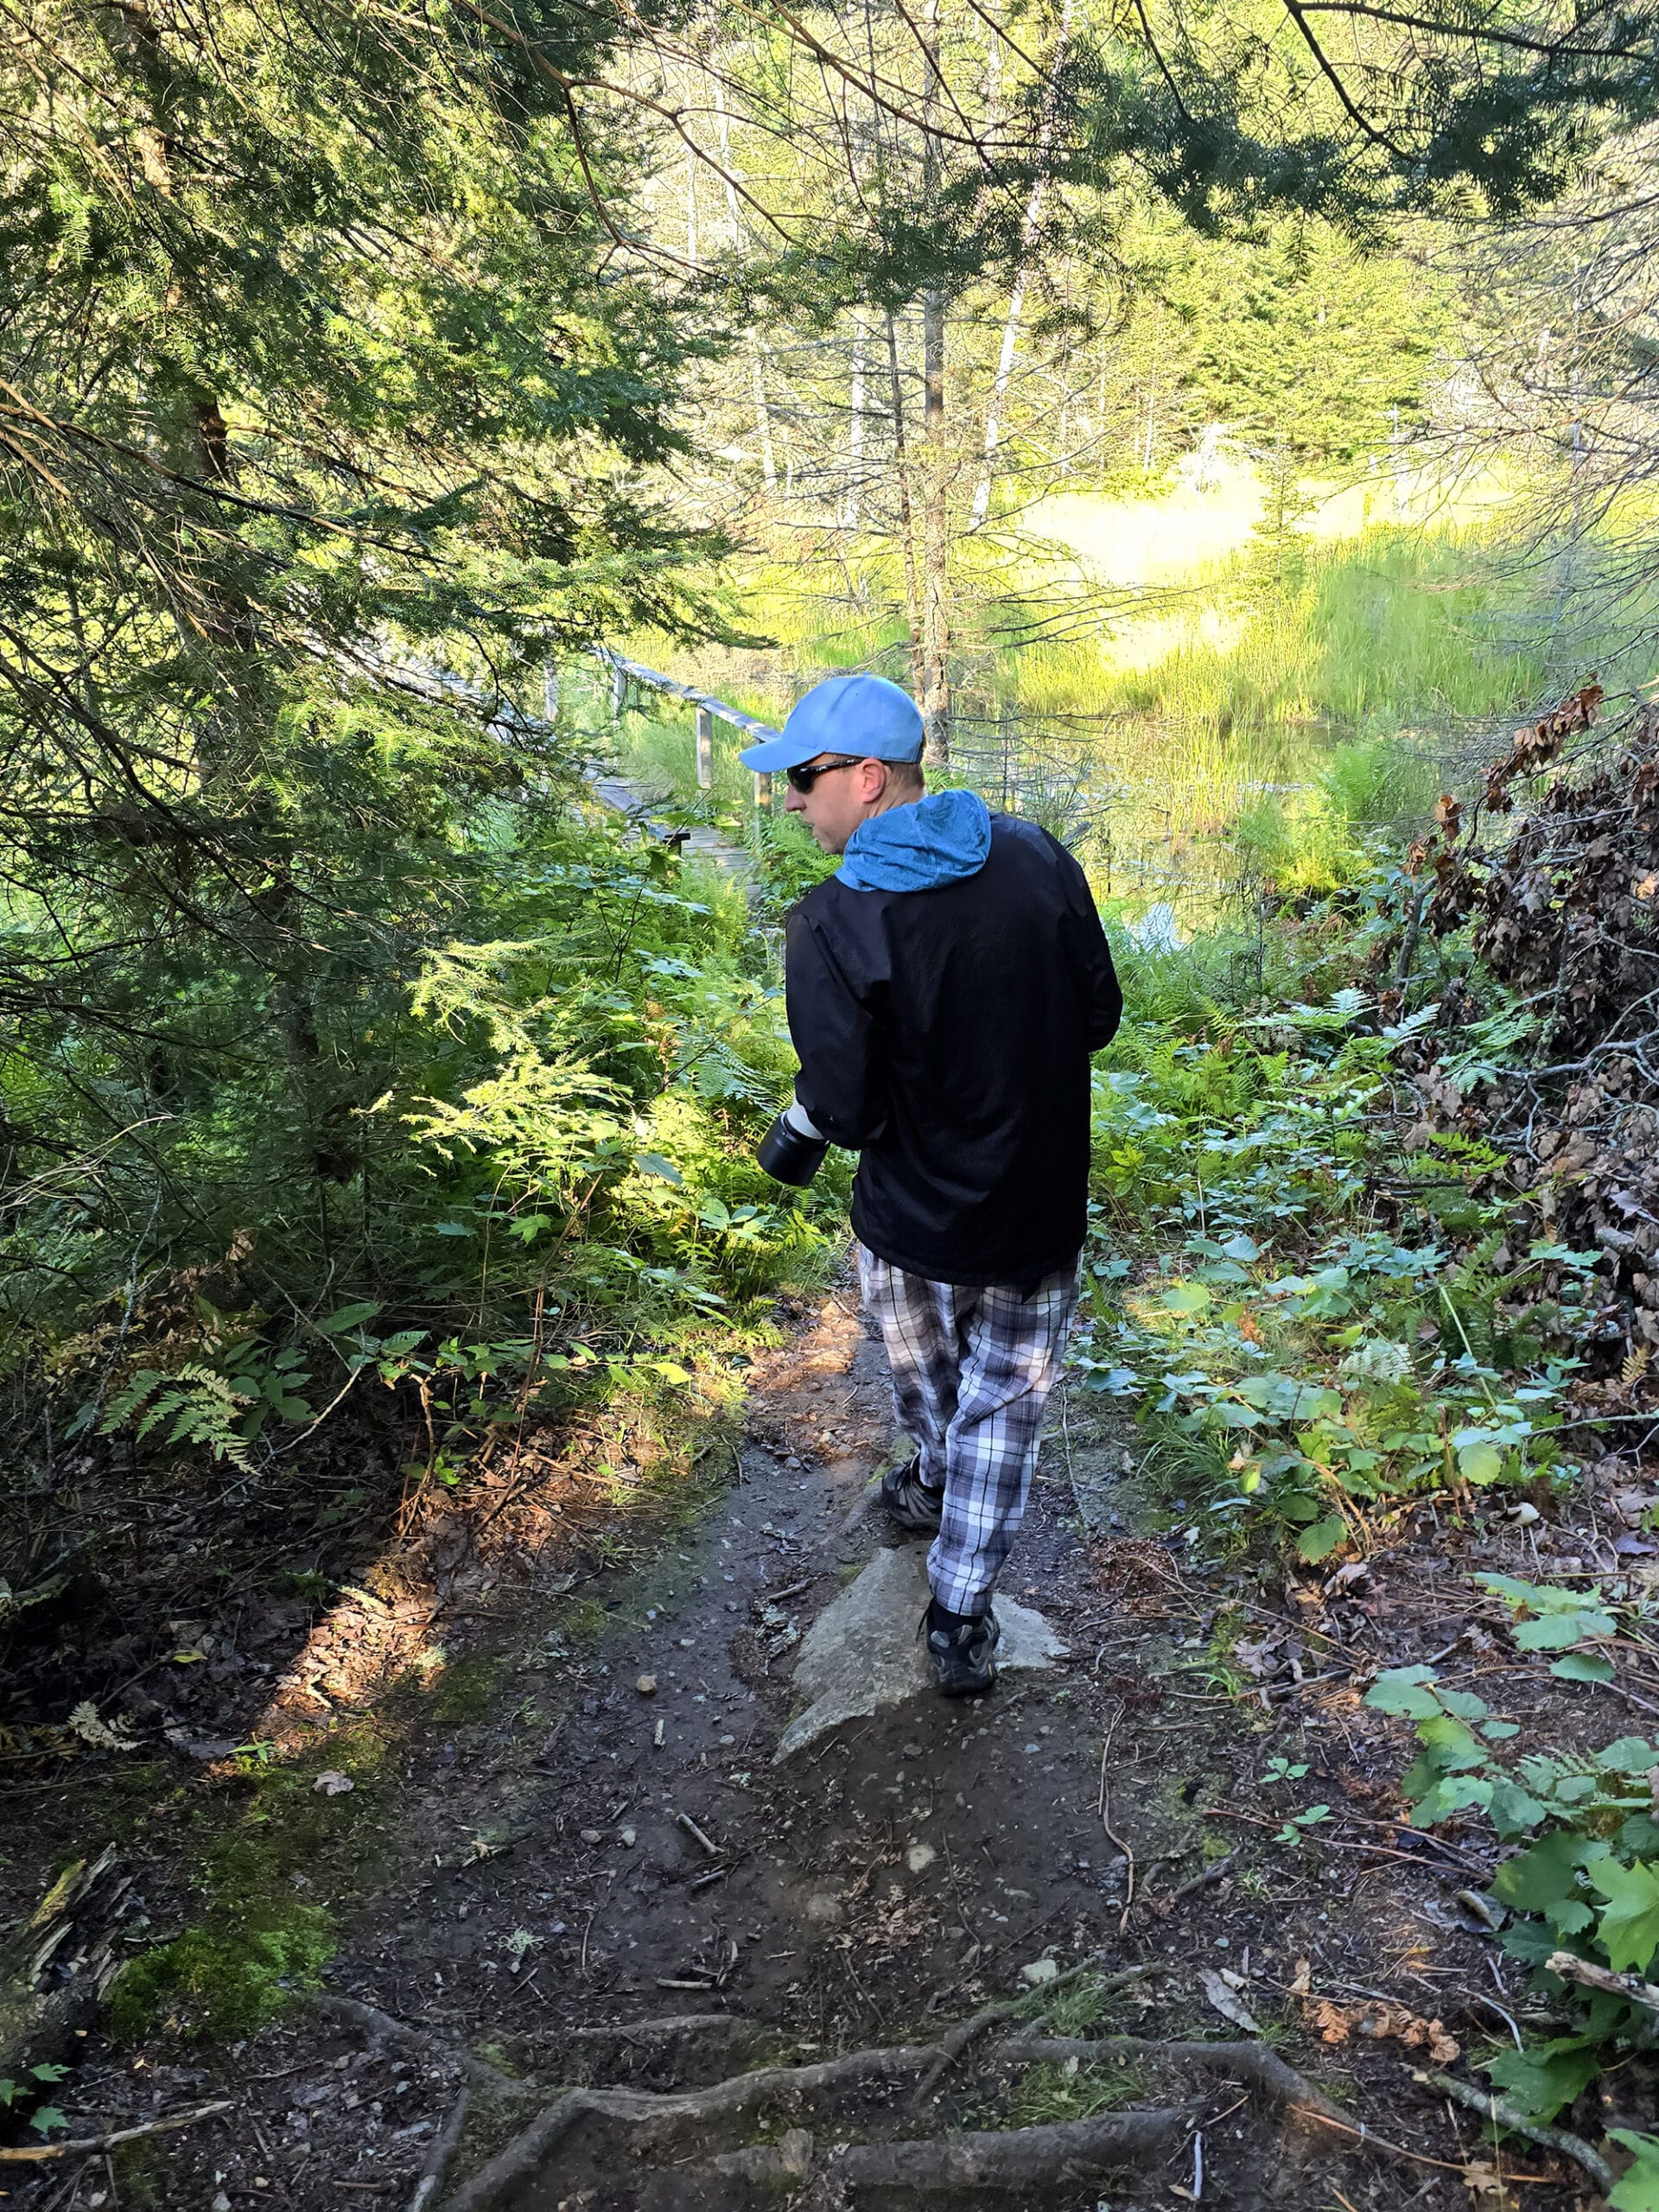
1369	1264
1375	1257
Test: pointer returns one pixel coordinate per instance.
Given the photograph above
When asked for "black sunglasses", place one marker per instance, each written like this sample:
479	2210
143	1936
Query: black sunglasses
802	779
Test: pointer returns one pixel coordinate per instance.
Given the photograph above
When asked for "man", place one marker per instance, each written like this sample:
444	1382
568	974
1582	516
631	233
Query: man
945	988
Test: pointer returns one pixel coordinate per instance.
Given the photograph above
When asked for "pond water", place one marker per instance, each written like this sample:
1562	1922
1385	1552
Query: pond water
1179	823
1200	707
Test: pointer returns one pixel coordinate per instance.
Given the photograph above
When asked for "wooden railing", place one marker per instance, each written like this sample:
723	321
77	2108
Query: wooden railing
706	708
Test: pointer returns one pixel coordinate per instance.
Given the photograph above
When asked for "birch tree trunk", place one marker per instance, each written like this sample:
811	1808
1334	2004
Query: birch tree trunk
762	412
851	505
936	540
906	521
936	545
1046	129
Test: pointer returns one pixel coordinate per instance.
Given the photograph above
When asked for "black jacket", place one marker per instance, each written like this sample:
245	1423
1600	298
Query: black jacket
945	1036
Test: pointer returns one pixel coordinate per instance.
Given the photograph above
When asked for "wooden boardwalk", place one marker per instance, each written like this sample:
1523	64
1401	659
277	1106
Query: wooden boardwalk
638	800
628	795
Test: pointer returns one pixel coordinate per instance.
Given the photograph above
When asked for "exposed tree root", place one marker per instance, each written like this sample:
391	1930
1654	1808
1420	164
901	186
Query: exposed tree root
677	2124
644	2033
1015	2158
443	2149
956	2040
1066	2150
654	2120
1254	2064
632	2034
384	2029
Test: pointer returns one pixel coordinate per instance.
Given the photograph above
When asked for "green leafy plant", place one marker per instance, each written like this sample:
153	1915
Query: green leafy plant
23	2097
1295	1829
1585	1880
1548	1619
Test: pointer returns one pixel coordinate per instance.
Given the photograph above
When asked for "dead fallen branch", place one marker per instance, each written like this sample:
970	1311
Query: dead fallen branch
1253	2063
685	1821
1199	1881
1500	2113
653	2121
79	2146
1571	1967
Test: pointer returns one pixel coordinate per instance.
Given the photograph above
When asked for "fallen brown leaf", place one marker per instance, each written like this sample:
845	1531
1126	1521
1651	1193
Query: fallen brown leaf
1382	2022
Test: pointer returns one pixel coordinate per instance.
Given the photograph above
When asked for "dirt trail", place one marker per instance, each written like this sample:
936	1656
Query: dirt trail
587	1852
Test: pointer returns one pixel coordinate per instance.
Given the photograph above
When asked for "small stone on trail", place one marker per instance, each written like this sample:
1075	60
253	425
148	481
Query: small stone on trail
332	1784
920	1857
592	1835
1036	1972
821	1907
685	1644
628	1837
646	1686
910	1750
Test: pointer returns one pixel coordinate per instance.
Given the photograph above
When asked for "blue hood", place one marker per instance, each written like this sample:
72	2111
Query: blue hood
936	840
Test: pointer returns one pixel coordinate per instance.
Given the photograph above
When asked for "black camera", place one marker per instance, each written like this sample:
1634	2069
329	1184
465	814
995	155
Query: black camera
792	1153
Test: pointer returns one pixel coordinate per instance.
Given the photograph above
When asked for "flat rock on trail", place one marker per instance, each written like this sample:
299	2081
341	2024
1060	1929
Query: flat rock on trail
609	1843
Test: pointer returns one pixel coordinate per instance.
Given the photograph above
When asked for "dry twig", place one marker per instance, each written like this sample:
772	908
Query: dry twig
1500	2113
1104	1806
32	2153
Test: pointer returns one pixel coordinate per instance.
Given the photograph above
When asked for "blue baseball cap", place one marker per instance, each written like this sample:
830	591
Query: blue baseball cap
864	715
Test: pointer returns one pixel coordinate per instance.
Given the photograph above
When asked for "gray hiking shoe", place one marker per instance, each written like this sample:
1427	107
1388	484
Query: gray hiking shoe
963	1646
909	1500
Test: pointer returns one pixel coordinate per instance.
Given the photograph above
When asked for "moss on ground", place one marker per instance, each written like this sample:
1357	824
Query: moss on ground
261	1937
271	1869
465	1689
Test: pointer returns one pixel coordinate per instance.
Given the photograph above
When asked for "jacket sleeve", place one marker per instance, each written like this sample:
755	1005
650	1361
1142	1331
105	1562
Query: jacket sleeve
1091	963
841	1084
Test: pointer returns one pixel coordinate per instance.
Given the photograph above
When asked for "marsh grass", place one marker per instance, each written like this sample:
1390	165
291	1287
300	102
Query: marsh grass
1253	732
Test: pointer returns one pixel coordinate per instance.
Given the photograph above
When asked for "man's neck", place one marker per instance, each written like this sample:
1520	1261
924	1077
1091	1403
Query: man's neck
889	799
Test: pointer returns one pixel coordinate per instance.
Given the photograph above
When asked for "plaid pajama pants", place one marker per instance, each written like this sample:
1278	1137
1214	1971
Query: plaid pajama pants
972	1370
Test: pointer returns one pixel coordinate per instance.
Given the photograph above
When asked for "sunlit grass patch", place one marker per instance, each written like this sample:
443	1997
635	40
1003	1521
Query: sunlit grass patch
1044	2095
